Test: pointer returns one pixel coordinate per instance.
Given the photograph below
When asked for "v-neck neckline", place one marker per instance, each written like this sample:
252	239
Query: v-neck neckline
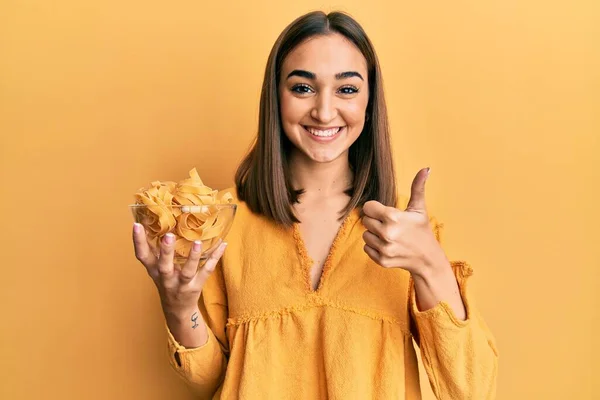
307	263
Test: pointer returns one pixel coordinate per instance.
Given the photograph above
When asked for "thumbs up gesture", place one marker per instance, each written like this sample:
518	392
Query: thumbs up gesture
403	239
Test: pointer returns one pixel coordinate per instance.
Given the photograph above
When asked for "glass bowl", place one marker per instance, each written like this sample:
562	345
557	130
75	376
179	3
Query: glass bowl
206	223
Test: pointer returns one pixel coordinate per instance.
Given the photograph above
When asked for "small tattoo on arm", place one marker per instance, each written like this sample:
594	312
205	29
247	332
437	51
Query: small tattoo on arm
194	319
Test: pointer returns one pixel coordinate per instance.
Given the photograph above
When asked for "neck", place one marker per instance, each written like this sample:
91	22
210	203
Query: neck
320	179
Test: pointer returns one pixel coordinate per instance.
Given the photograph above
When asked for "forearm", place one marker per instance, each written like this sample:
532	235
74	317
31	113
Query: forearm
438	283
460	356
194	352
187	327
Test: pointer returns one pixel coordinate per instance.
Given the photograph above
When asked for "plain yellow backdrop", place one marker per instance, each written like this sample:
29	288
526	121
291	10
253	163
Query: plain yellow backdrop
98	98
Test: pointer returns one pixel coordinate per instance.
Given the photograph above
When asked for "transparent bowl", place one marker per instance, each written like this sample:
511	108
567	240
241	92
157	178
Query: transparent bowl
206	223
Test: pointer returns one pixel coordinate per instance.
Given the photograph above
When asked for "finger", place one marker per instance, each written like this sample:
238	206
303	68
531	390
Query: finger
210	265
374	241
372	253
376	210
141	247
190	268
374	226
167	250
379	258
417	192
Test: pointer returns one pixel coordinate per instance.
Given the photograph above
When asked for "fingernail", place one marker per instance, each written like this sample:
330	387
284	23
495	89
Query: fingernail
137	228
428	171
224	245
196	245
169	238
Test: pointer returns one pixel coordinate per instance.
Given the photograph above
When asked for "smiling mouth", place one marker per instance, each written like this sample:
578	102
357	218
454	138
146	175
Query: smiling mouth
329	132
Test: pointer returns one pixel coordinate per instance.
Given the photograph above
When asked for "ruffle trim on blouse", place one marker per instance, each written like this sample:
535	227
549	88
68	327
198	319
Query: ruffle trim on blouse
314	302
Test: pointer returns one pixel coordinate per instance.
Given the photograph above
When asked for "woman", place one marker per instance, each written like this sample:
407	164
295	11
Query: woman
328	276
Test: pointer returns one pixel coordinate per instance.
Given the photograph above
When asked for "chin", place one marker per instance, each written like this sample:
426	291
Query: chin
324	156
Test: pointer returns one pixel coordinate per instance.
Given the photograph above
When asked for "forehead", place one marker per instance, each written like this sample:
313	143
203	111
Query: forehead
326	55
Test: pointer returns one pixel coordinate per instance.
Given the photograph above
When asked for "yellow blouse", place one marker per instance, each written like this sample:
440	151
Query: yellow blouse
272	337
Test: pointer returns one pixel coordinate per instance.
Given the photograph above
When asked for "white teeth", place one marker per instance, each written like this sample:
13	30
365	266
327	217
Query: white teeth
325	133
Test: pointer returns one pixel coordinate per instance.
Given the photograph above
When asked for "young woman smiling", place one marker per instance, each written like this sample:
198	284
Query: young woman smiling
329	273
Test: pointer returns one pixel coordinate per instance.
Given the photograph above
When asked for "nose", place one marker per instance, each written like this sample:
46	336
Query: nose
324	109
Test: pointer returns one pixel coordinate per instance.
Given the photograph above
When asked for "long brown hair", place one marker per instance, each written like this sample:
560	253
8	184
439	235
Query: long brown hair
263	178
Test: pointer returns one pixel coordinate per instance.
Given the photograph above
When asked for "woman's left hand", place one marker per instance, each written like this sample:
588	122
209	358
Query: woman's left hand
404	239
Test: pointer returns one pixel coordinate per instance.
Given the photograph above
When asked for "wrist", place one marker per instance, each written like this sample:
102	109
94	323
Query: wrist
179	314
433	268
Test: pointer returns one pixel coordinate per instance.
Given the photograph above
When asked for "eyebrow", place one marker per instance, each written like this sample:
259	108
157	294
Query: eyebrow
310	75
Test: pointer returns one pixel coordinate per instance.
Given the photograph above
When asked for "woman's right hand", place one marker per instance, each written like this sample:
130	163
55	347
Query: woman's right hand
179	289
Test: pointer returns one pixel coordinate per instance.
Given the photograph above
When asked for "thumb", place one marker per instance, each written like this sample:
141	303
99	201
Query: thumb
417	192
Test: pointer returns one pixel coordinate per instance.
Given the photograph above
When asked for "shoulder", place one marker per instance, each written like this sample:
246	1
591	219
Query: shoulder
251	234
244	216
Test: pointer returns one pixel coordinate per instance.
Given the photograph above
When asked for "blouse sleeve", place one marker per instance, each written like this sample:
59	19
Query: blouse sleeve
460	357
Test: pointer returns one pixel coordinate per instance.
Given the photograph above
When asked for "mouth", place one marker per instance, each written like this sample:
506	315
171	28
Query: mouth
323	134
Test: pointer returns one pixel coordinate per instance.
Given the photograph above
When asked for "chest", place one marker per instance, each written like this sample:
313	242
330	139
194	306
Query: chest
264	268
318	228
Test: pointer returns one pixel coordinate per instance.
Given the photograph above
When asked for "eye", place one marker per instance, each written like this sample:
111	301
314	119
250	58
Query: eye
301	88
348	90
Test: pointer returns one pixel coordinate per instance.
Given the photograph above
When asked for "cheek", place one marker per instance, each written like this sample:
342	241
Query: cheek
291	109
354	113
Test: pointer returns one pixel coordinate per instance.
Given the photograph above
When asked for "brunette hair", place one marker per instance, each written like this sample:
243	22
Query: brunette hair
263	178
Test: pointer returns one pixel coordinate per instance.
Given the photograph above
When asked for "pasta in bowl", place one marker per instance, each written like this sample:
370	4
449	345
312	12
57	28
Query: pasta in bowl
190	210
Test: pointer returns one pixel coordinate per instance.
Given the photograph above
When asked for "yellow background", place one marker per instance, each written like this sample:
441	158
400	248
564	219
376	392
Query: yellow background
98	98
